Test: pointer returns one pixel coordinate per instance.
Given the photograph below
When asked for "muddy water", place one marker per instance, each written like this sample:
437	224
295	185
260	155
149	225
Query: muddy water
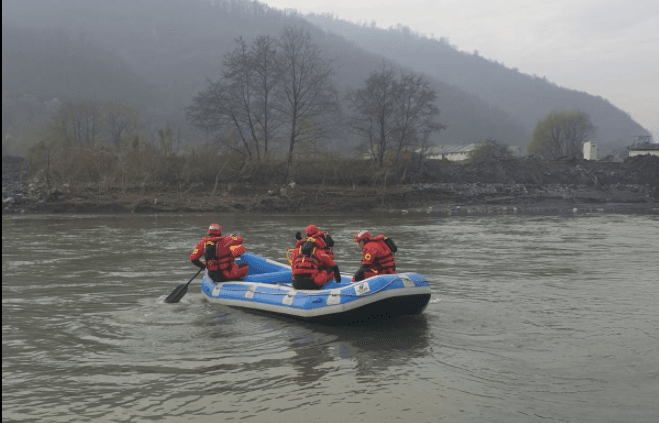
531	319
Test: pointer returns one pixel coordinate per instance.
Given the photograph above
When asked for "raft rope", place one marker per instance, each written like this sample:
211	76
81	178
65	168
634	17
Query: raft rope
303	294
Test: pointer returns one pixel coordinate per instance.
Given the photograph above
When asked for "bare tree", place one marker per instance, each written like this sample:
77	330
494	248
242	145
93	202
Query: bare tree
393	112
241	101
561	134
122	122
212	110
266	78
415	113
373	110
270	89
307	99
80	122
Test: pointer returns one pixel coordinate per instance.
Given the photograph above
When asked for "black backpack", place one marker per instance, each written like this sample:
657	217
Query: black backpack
391	244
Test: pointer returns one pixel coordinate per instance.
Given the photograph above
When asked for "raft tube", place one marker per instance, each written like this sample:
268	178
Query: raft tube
268	288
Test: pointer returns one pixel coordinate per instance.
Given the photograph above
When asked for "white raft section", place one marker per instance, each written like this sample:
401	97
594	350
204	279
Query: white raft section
282	298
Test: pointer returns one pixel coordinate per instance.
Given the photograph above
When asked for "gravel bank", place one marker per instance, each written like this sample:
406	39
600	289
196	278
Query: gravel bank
519	186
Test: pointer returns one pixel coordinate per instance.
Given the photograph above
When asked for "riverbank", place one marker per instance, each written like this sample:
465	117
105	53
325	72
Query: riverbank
519	186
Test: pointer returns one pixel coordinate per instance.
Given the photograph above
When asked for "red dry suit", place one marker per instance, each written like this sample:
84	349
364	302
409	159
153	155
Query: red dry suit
320	243
321	240
377	260
311	271
219	253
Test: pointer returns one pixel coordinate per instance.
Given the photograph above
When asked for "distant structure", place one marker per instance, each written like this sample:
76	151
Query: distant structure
589	151
450	152
446	152
643	147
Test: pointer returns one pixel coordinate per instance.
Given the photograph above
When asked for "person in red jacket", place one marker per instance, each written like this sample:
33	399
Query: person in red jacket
327	241
321	239
219	253
378	256
311	266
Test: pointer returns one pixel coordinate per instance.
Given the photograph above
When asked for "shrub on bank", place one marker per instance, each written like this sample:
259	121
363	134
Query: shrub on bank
62	163
139	166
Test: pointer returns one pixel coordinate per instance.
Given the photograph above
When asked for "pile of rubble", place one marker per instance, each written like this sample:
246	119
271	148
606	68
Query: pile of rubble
531	180
640	170
499	182
12	188
15	193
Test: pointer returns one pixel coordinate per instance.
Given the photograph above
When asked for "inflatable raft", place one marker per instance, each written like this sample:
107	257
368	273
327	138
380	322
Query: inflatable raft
268	288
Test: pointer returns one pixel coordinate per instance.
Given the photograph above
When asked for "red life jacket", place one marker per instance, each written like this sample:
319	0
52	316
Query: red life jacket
321	243
305	265
384	259
310	265
224	253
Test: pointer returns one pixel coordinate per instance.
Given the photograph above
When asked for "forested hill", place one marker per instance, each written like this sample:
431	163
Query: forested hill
155	55
527	98
54	63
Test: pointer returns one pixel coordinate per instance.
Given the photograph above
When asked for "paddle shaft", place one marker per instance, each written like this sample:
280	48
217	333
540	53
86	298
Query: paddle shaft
196	274
180	291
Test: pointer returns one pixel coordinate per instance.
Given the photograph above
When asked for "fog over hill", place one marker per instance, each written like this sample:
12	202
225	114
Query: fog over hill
526	98
155	55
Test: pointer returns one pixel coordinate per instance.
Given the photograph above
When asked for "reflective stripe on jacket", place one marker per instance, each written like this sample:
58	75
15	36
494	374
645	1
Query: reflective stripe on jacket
378	256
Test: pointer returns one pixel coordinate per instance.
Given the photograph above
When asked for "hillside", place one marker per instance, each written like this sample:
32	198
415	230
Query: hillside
526	98
173	48
155	55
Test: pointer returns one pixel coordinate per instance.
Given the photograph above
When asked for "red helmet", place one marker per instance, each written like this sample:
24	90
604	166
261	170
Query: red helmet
215	229
312	230
362	236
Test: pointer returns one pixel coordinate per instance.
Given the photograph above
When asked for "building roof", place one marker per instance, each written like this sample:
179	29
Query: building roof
447	149
643	146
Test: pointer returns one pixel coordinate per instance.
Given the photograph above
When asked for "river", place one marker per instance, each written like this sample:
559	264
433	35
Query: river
531	319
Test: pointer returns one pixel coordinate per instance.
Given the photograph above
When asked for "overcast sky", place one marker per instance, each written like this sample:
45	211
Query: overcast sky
608	48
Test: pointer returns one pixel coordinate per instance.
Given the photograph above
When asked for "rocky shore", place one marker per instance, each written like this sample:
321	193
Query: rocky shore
518	186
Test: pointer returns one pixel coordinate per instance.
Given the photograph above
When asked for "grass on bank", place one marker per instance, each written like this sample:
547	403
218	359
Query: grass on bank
69	167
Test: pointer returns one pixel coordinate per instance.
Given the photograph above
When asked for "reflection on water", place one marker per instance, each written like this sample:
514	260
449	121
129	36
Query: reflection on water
309	358
531	319
371	346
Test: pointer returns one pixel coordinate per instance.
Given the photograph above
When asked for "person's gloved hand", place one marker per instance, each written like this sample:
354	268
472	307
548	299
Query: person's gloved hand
337	274
298	235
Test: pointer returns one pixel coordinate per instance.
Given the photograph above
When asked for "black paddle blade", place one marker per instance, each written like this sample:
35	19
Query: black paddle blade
180	290
177	294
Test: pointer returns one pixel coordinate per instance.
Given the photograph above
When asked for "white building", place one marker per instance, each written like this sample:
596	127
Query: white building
451	152
589	150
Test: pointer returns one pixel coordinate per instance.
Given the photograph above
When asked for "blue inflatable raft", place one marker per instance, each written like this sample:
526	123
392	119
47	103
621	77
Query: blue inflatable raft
268	288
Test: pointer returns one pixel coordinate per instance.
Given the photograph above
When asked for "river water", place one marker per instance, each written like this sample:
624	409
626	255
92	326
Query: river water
531	319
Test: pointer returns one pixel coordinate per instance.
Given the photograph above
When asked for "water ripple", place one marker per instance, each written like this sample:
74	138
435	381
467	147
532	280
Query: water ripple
530	319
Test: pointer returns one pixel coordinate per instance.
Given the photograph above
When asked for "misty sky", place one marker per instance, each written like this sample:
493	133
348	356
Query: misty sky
606	48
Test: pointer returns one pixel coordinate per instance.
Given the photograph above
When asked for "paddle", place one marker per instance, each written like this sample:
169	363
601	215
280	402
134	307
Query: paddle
180	291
